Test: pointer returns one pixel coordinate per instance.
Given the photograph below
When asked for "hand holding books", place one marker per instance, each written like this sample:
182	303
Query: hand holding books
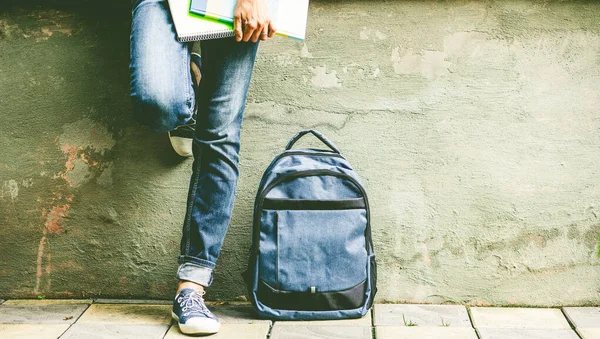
252	21
214	19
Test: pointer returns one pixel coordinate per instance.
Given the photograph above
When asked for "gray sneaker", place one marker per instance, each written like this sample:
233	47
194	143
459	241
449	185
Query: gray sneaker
181	137
192	315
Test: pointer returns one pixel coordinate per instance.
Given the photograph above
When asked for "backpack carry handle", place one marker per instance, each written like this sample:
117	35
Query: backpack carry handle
316	134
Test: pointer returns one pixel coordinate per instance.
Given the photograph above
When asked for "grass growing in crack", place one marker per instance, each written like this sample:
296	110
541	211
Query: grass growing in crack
409	323
445	323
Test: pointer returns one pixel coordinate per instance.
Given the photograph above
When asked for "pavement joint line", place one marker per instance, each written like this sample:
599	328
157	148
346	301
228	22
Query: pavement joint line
171	324
470	316
167	331
76	320
571	323
373	334
472	321
477	333
271	324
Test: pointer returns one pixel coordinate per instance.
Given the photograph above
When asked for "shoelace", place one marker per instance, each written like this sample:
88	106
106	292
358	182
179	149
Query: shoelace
187	302
190	126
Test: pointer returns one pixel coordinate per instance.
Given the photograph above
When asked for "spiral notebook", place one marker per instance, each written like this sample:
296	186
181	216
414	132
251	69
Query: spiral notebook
289	16
192	27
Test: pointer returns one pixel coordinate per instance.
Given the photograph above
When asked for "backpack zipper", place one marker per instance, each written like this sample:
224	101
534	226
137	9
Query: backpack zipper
262	194
290	153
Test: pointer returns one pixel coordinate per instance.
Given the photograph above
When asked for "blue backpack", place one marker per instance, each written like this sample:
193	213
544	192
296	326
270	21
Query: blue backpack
312	255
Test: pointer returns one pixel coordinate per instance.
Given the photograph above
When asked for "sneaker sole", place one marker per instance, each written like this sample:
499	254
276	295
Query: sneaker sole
203	326
177	142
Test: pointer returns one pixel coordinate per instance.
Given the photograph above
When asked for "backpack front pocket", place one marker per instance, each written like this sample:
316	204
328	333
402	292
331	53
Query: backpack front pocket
322	250
319	249
318	257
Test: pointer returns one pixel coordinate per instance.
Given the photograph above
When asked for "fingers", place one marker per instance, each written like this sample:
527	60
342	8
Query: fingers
272	30
252	22
266	32
257	34
237	28
249	27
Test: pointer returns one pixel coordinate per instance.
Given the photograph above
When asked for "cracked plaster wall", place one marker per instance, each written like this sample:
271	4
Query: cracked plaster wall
474	124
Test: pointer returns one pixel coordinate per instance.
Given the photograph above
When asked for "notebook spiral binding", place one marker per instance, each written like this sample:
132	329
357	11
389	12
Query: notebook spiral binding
206	36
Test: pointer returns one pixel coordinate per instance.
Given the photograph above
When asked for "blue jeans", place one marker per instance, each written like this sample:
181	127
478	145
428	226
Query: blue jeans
163	97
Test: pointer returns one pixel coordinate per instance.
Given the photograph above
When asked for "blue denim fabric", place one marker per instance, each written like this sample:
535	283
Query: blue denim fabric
161	84
163	97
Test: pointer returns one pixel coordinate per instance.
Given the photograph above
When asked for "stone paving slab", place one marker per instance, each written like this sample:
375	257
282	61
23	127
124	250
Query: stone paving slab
236	313
422	315
32	331
362	322
584	317
527	318
37	302
417	332
44	314
127	314
324	332
133	301
589	333
115	331
525	333
229	331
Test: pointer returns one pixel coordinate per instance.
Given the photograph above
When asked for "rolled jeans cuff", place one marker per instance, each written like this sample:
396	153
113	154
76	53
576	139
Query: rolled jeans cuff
195	273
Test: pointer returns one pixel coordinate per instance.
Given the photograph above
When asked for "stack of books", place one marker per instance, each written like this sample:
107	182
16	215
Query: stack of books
213	19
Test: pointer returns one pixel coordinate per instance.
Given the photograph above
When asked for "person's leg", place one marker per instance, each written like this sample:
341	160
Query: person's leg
226	70
161	84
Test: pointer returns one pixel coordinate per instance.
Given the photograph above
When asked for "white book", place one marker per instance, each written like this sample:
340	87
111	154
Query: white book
191	27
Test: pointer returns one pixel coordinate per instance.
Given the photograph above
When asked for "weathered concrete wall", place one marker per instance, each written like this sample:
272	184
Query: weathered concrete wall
475	125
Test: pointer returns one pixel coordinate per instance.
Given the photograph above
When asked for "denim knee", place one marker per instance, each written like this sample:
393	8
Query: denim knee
159	111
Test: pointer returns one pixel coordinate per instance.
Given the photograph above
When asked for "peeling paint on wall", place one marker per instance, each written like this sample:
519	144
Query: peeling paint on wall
86	133
371	34
431	64
324	79
80	142
105	178
54	219
284	60
52	21
469	44
10	189
304	53
79	174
